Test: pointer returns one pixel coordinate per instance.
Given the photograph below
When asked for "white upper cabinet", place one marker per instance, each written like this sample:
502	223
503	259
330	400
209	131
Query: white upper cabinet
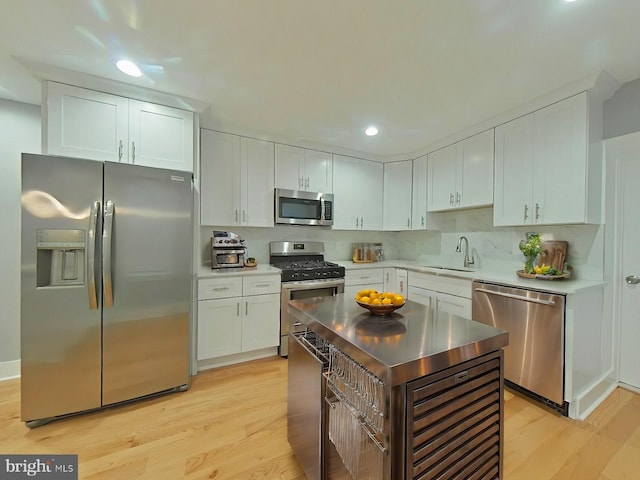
357	190
301	169
542	161
99	126
236	180
419	194
160	136
461	175
397	195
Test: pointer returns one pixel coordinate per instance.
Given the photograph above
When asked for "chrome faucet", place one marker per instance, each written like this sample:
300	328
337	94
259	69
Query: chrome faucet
467	261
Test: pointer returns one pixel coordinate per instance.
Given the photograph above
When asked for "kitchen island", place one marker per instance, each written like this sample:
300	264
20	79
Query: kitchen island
416	394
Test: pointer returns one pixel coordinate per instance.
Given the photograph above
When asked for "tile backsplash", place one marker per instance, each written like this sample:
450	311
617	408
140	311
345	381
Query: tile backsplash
494	248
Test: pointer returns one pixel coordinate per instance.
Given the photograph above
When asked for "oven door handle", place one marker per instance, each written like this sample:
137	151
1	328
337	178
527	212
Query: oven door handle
311	284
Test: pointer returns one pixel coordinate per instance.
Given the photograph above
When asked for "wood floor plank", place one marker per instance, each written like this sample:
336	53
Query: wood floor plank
231	425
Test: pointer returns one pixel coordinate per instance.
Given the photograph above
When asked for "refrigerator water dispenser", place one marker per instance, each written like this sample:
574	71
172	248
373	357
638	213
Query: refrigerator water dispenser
61	257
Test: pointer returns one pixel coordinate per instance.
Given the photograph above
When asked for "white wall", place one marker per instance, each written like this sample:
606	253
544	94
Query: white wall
20	132
622	110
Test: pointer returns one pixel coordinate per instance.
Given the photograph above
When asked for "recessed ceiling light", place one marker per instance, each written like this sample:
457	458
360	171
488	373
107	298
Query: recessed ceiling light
371	131
569	1
128	67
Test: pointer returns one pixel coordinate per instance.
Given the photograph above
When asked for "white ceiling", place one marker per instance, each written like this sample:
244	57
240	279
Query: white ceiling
320	72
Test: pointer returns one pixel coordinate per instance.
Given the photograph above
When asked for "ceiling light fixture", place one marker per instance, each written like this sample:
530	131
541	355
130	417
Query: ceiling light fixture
371	131
128	67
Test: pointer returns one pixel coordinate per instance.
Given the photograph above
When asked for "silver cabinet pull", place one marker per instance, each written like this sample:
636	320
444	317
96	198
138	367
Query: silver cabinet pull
387	277
451	199
220	289
91	256
537	211
236	215
246	309
306	183
237	309
526	211
120	151
408	222
458	197
107	239
422	221
133	152
356	222
262	285
244	216
300	183
632	280
361	221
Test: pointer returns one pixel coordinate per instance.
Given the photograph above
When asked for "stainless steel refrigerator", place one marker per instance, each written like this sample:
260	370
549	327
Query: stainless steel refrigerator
106	284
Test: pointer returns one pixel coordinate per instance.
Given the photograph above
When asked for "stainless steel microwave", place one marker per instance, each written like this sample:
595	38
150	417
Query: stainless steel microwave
297	207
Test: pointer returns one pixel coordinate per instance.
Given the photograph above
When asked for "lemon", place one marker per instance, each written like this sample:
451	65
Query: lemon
363	293
373	295
365	299
376	301
398	299
386	301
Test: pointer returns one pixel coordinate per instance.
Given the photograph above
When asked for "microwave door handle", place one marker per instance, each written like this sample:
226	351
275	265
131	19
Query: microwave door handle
321	210
91	256
107	238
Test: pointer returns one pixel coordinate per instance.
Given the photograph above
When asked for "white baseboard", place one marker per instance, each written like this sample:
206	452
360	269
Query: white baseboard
587	401
236	358
9	370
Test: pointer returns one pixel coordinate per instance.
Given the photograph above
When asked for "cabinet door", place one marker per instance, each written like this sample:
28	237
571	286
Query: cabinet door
219	327
257	182
390	280
288	163
474	171
261	322
219	179
442	179
397	195
419	194
560	146
422	296
160	136
347	172
317	173
513	190
368	187
454	305
87	124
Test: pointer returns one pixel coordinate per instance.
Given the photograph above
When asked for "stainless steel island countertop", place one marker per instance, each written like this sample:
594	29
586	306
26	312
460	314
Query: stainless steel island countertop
412	342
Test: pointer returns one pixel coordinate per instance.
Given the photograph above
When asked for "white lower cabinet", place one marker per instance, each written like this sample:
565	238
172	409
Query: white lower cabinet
235	320
359	279
446	294
395	280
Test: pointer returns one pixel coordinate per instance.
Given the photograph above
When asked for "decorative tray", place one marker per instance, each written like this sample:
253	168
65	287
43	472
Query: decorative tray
541	276
380	310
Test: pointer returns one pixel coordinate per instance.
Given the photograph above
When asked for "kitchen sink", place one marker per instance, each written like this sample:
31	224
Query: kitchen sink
455	269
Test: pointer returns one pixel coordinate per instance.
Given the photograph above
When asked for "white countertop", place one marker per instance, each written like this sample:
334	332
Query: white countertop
564	286
208	272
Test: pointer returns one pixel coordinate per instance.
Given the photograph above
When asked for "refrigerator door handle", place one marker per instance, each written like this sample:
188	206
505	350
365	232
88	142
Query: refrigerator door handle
106	255
91	256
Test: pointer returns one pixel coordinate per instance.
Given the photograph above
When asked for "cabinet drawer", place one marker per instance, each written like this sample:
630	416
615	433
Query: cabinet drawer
260	284
365	276
210	288
460	287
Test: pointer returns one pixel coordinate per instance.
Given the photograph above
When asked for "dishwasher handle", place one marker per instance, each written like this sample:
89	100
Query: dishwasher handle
517	297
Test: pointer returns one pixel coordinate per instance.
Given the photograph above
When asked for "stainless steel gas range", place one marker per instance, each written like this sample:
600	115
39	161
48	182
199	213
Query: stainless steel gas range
305	274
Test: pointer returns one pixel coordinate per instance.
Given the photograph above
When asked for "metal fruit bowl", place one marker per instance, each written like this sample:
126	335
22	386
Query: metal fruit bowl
380	310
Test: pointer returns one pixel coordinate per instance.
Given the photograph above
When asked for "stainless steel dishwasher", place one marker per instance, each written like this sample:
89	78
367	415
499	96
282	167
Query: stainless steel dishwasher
534	358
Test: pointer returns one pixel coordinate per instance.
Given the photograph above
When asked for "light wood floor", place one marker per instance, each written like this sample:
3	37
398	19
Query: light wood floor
231	424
